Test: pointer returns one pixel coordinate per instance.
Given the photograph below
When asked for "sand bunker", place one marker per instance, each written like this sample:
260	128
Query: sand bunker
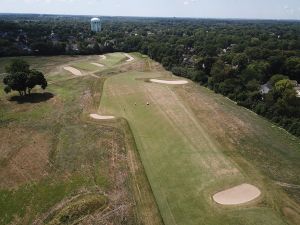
103	56
97	64
130	58
73	70
237	195
99	117
169	81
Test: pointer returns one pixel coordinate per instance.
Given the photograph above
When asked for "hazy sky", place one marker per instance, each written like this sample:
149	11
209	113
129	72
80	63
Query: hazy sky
262	9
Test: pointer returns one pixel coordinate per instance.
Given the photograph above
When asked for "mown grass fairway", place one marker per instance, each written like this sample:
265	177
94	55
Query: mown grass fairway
185	161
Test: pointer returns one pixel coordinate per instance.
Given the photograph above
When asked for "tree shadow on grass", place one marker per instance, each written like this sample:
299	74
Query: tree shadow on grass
32	98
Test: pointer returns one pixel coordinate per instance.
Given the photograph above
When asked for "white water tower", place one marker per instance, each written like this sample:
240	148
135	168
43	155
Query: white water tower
96	25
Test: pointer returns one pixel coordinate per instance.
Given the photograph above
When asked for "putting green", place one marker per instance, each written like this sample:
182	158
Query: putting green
183	163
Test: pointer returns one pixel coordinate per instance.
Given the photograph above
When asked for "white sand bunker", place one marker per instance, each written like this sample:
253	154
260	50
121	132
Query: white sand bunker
99	117
97	64
73	70
130	58
169	81
237	195
103	56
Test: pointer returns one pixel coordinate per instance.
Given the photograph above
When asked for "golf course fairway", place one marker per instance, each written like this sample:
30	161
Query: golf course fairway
185	165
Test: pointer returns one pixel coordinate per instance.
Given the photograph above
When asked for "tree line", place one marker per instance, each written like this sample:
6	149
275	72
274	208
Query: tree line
254	63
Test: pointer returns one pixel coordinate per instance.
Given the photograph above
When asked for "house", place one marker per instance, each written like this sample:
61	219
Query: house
297	89
294	83
266	88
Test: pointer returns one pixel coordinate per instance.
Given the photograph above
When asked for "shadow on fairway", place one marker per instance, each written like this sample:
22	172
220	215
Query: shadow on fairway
33	98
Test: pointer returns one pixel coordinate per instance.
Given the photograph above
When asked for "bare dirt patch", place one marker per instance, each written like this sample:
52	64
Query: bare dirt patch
169	81
28	162
72	70
237	195
99	117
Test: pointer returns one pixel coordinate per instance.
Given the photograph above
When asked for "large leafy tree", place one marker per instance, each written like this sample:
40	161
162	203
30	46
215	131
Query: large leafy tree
18	65
286	102
240	60
293	68
20	78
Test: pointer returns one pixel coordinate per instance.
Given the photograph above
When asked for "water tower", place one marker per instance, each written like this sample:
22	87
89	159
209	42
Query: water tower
96	25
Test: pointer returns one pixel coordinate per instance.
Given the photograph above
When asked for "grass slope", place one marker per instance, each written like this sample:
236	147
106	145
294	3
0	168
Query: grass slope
53	157
186	162
192	143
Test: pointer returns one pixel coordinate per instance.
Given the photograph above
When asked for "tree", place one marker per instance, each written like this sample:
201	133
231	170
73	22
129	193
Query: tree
20	78
240	60
18	65
282	85
218	71
276	64
293	68
35	78
249	74
286	102
277	77
16	82
262	68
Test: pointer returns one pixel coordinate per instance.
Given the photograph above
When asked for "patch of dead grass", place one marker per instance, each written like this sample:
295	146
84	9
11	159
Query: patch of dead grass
27	157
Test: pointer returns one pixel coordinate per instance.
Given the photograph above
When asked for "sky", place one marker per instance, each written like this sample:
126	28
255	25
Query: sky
244	9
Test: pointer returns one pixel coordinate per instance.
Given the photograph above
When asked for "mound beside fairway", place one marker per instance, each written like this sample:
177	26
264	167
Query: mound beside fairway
97	64
169	81
237	195
99	117
72	70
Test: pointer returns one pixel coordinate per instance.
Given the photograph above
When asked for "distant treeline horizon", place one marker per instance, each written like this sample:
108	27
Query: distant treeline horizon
88	16
256	63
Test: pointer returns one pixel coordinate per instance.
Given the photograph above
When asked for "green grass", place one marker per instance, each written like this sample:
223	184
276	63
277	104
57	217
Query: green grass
113	59
186	150
86	66
37	197
272	150
77	155
45	64
79	158
184	163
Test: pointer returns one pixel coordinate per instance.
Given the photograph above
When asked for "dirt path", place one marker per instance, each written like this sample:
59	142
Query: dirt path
72	70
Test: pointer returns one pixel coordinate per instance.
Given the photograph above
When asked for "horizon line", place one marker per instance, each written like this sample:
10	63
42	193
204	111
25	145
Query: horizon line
162	17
